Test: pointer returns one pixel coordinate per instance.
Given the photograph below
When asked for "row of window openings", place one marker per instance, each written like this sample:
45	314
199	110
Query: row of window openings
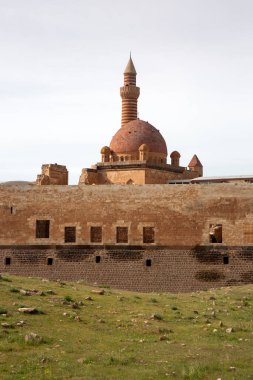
42	231
50	261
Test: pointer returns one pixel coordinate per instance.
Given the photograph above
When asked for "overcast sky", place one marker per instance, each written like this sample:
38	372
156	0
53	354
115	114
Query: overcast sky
61	65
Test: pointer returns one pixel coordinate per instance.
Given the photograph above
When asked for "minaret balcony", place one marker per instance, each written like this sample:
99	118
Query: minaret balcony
129	92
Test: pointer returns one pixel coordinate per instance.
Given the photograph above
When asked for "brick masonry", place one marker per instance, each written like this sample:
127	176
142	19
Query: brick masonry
182	258
172	269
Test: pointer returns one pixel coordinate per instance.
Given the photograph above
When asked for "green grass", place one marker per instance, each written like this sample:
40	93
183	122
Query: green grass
124	335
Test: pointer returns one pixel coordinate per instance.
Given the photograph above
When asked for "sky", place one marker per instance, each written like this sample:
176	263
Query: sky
62	63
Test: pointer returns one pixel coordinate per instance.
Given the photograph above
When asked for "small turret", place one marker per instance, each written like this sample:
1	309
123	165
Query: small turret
175	156
196	166
105	154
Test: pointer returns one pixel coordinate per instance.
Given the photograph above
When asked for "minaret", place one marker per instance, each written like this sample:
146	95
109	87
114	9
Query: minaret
129	94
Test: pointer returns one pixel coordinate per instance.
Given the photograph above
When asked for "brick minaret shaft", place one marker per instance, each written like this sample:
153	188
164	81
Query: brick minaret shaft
129	94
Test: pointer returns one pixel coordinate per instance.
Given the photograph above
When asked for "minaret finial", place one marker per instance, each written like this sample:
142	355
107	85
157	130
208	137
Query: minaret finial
130	69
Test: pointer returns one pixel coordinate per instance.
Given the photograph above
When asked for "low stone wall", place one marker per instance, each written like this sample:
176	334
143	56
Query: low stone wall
139	268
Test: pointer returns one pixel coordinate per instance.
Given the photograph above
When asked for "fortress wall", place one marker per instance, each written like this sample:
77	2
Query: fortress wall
154	176
180	214
182	257
172	269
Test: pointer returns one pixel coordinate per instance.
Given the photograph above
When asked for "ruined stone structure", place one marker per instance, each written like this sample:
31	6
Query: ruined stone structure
52	174
156	235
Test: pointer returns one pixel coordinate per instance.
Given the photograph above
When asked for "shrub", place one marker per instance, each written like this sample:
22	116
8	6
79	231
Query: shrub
14	290
68	299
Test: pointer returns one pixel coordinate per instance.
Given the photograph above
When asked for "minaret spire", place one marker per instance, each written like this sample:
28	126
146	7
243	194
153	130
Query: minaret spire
129	94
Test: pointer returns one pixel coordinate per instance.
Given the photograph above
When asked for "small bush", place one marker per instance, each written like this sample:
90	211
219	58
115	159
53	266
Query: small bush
89	360
158	317
14	290
38	311
3	311
68	299
118	361
5	279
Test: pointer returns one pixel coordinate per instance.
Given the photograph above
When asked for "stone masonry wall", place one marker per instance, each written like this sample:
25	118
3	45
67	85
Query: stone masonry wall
182	257
180	214
171	269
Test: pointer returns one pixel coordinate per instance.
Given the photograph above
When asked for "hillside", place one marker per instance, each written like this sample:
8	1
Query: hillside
74	332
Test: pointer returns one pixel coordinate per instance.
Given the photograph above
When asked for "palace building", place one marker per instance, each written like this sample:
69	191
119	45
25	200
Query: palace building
146	225
137	153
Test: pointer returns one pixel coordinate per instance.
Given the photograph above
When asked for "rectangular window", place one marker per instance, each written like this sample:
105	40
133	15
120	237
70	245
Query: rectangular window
96	234
148	263
122	234
225	260
70	235
50	261
215	233
98	259
148	235
7	261
42	229
13	210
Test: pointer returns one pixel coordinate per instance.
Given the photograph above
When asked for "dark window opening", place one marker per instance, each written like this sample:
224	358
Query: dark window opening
96	234
70	234
148	235
98	259
50	261
148	263
225	260
42	229
215	233
13	210
122	234
7	261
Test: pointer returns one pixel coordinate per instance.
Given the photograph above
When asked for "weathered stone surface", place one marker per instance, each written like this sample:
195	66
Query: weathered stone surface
180	259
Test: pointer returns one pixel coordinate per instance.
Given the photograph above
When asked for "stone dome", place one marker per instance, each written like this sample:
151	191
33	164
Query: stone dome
105	150
135	133
175	153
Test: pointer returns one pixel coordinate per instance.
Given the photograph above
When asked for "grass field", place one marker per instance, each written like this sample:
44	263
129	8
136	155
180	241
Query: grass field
76	333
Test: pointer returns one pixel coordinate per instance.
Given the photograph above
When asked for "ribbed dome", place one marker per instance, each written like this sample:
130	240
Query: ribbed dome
135	133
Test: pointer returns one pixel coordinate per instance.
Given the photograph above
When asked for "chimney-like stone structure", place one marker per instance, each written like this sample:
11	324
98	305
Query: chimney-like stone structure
129	94
196	166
